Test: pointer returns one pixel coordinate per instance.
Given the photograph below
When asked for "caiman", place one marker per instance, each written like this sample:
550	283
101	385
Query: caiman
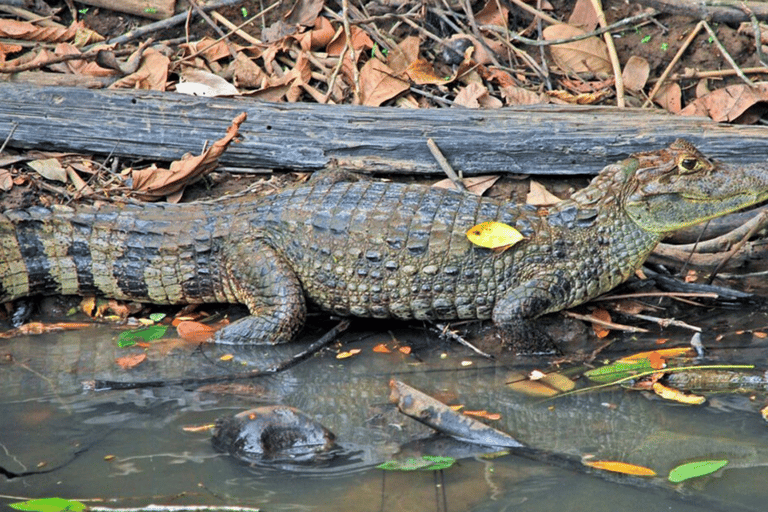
372	249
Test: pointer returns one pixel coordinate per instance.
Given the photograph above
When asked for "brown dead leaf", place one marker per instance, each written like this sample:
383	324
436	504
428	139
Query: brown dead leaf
378	83
474	184
381	349
78	67
514	95
589	98
210	49
26	31
483	414
348	353
403	55
738	104
585	56
50	169
6	48
152	73
319	37
540	196
583	16
304	12
128	362
154	184
195	331
360	42
422	72
6	180
476	95
40	328
670	97
246	73
492	14
635	74
601	314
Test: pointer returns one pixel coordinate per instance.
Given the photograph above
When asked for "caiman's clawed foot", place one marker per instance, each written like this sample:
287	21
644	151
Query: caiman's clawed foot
523	338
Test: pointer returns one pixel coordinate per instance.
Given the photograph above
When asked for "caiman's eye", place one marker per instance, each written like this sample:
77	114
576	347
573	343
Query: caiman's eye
689	164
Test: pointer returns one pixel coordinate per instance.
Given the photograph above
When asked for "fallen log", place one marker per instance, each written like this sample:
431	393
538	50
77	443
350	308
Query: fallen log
545	139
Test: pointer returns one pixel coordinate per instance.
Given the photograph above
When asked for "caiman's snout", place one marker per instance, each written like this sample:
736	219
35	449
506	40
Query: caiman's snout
686	195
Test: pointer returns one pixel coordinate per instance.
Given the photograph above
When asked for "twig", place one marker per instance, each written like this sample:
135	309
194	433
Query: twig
758	38
718	73
604	323
673	295
339	64
358	98
444	165
168	22
237	29
89	55
431	96
611	53
14	125
673	63
727	56
476	31
665	322
530	10
757	225
214	26
446	332
596	32
325	340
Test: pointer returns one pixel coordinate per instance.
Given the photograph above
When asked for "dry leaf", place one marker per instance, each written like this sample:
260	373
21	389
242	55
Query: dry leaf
514	95
405	350
734	104
378	84
348	353
128	362
381	349
670	98
154	184
195	331
635	74
321	34
26	31
152	73
475	184
50	169
6	180
588	55
304	12
492	14
476	95
600	330
583	16
360	42
540	196
581	98
404	55
620	467
677	396
198	82
208	48
483	414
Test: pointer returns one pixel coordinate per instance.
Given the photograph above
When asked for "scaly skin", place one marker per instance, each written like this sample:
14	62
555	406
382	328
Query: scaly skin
372	249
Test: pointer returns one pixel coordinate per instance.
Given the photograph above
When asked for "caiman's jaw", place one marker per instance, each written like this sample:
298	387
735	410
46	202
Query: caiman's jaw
680	187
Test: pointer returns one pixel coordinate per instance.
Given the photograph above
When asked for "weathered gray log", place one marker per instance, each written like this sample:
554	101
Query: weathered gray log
543	139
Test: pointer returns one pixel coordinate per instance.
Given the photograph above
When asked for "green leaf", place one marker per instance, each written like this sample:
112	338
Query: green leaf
618	370
424	463
129	338
156	317
695	469
49	505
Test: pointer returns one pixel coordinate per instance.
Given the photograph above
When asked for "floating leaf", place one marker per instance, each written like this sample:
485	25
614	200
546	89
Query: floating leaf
381	349
620	467
128	362
619	370
494	235
600	330
664	353
695	469
484	414
129	338
49	505
156	317
195	331
423	463
677	396
348	353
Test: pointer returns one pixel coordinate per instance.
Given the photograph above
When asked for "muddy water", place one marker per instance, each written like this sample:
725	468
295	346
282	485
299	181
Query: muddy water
130	447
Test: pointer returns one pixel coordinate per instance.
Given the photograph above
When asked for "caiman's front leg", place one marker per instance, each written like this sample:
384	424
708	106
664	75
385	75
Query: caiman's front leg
514	313
263	280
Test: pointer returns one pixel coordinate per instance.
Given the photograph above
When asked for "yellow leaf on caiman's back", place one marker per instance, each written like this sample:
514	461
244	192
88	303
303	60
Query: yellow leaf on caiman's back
494	235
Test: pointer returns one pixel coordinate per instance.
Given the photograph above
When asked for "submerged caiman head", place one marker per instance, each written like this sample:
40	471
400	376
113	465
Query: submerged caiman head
677	187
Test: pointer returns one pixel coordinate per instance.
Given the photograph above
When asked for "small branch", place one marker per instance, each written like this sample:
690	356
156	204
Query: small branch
445	166
727	56
759	222
609	325
358	98
674	62
615	64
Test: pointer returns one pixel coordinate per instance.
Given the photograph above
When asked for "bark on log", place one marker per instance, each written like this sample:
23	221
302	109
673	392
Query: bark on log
544	139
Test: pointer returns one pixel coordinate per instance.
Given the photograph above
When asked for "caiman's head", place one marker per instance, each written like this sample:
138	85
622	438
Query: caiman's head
678	187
